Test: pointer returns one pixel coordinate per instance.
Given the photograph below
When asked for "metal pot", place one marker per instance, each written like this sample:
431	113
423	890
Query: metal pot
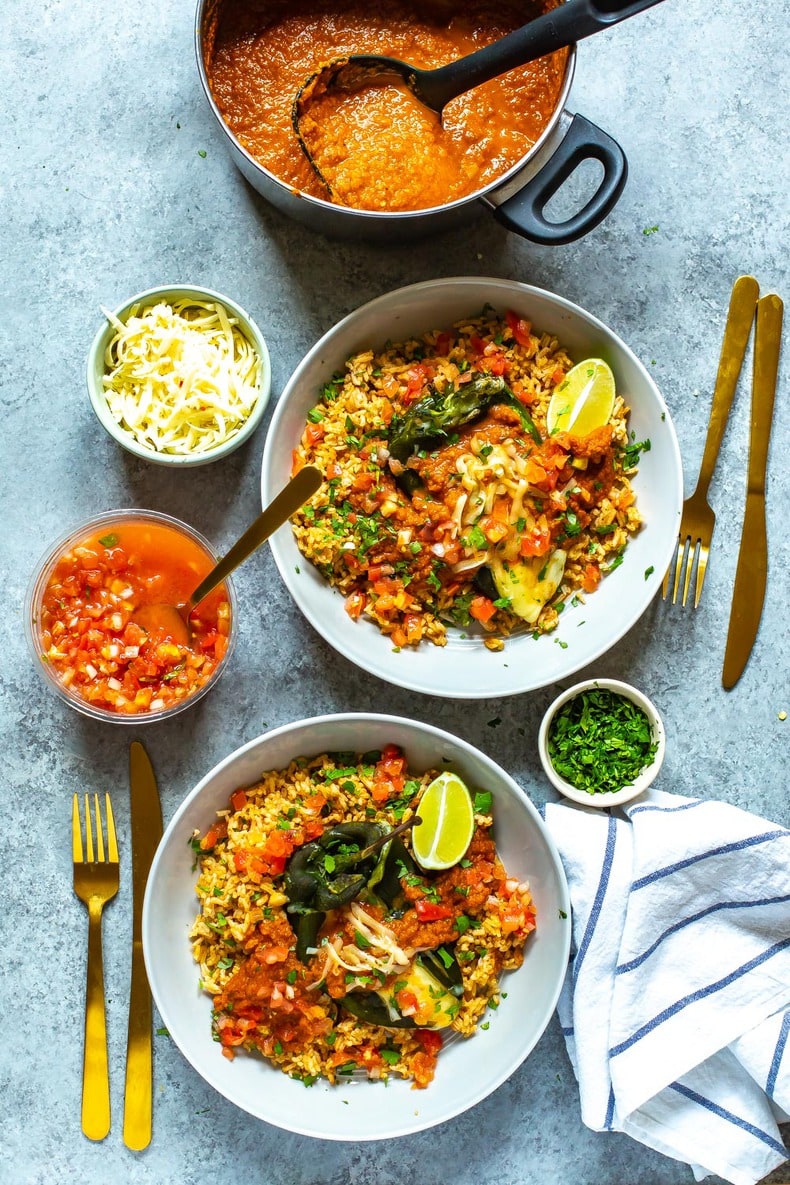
517	199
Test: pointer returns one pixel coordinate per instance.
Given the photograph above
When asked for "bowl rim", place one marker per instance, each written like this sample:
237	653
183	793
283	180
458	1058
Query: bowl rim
385	722
398	298
94	365
647	775
37	582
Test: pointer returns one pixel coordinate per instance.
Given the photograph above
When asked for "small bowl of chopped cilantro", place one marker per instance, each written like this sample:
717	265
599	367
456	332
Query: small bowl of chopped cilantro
179	375
601	743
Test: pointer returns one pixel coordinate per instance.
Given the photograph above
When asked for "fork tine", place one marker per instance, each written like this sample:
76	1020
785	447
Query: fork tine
76	832
112	843
689	567
682	541
99	830
702	566
88	831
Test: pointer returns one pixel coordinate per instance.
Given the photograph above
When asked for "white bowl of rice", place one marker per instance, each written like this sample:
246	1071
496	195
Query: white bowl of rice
204	893
179	375
394	580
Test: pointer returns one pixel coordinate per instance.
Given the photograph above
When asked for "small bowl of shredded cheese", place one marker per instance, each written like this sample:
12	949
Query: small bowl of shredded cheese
179	375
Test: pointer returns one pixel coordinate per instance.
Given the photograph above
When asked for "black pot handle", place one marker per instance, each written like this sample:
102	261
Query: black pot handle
523	213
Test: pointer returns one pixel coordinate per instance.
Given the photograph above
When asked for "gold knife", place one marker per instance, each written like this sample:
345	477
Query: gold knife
146	813
752	571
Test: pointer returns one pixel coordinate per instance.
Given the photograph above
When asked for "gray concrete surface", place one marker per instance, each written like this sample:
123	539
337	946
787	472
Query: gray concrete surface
114	178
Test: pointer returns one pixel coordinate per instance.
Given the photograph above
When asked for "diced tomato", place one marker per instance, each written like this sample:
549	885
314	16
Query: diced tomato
495	362
388	779
417	378
313	433
431	911
385	585
246	861
494	531
407	1002
215	833
521	329
482	609
430	1040
444	342
364	481
535	541
591	578
412	624
557	375
355	603
238	799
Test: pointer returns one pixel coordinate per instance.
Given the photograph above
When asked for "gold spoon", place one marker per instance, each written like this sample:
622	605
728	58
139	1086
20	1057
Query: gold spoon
174	619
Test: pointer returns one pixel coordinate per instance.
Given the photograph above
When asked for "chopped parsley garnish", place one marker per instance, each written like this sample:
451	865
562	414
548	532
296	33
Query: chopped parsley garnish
109	540
483	802
629	456
600	741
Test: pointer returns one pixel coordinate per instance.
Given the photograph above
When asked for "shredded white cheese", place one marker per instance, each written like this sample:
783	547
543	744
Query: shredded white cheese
180	378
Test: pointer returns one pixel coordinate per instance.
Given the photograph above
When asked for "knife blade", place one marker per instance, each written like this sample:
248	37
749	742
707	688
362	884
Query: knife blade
751	573
146	816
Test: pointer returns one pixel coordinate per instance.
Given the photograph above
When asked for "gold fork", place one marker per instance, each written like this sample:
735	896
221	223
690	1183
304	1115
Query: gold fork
96	880
697	519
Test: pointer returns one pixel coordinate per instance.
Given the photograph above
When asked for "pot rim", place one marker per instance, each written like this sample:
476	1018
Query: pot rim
507	179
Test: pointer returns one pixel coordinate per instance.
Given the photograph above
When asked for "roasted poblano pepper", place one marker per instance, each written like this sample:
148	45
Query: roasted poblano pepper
439	413
346	862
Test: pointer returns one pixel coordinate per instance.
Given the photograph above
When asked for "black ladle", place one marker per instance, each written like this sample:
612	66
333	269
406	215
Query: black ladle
557	29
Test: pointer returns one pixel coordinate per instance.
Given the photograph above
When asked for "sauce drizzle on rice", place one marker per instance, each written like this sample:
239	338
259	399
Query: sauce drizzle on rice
447	501
413	959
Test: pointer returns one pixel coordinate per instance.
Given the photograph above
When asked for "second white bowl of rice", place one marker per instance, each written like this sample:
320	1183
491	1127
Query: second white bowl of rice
469	1068
466	666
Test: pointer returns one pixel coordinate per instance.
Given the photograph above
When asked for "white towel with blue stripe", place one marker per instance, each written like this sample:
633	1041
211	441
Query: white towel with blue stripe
676	1006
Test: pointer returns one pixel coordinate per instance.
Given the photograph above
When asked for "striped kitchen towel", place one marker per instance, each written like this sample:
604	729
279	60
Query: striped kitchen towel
676	1006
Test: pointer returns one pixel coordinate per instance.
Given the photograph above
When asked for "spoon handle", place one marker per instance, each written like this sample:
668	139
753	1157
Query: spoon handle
290	498
562	26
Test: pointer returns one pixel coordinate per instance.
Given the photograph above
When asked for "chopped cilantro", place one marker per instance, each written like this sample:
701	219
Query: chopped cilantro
483	802
600	741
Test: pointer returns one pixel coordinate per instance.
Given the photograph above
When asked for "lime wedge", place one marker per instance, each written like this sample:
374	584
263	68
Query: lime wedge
584	400
447	823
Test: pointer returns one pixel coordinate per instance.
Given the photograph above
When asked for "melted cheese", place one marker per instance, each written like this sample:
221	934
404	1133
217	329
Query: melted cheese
181	378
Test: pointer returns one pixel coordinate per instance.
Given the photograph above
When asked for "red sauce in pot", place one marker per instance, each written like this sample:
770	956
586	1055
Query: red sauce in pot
379	148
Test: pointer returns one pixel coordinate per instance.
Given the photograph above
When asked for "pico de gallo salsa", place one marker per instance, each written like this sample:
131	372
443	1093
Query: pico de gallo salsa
86	625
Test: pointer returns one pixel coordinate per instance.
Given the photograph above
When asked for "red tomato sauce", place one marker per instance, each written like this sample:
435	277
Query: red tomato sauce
88	635
378	148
